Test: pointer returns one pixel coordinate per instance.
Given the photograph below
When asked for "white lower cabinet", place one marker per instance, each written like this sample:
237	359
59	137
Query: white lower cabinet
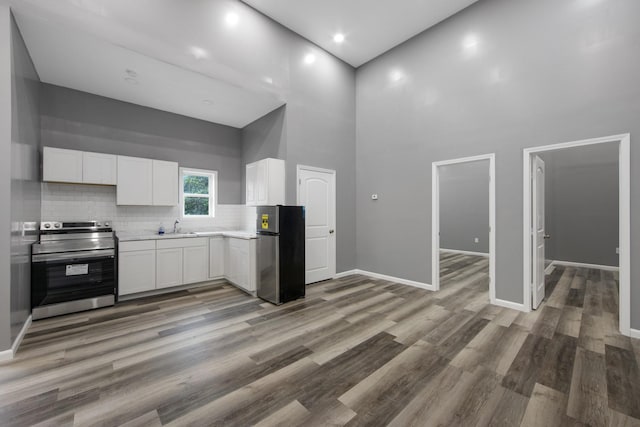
240	263
146	265
196	263
136	267
168	267
216	257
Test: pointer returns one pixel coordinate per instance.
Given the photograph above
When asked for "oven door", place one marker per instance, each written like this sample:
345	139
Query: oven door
71	276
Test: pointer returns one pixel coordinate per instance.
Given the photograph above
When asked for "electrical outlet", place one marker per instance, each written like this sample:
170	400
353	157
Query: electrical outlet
476	240
618	251
374	197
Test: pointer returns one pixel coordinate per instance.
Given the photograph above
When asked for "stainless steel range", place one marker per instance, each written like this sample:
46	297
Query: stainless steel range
73	268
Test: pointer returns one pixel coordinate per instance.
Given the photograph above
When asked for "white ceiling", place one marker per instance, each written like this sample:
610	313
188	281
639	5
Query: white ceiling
187	58
370	27
67	58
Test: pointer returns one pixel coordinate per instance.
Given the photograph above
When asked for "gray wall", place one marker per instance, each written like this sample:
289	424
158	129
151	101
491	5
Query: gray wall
315	128
266	137
25	177
82	121
581	197
464	206
542	72
5	177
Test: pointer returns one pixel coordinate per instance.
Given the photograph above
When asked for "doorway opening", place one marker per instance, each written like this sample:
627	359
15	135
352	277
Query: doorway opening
535	231
471	242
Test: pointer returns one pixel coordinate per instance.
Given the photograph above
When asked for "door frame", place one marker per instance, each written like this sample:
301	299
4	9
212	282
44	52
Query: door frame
624	200
300	168
435	219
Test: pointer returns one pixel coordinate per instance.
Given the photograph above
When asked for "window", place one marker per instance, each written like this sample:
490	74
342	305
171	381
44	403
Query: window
198	190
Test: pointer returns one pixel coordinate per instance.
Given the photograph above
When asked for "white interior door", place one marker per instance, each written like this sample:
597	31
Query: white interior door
317	192
538	236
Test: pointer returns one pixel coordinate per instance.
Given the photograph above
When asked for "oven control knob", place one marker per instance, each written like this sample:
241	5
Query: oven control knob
107	224
57	225
47	225
98	224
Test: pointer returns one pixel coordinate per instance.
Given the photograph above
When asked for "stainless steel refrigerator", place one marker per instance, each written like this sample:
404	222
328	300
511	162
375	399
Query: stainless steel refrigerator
280	231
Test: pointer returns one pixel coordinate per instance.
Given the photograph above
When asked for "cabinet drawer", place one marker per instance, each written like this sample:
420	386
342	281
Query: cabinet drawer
137	245
188	242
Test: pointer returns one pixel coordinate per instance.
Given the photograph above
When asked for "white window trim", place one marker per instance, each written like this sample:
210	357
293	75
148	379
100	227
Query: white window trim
213	198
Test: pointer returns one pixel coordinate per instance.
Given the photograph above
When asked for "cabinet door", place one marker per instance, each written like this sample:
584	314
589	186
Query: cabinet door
262	183
60	165
165	183
135	181
276	182
251	182
216	257
136	272
196	265
98	168
168	268
238	262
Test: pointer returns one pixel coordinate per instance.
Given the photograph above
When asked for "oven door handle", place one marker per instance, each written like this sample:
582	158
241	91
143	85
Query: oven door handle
102	253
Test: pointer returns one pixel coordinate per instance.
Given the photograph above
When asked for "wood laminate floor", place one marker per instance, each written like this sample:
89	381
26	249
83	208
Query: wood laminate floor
356	351
462	270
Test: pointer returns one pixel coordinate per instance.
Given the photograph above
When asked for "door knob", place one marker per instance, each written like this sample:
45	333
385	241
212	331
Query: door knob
547	236
332	231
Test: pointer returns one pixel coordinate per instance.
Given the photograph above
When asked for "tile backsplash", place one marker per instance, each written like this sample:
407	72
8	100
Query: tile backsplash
70	202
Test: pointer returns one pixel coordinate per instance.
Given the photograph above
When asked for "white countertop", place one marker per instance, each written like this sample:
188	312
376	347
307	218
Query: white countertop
128	236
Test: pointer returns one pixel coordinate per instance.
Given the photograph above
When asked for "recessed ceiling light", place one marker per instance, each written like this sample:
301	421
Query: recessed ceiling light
131	80
309	58
470	42
131	73
207	101
396	75
198	52
338	38
232	19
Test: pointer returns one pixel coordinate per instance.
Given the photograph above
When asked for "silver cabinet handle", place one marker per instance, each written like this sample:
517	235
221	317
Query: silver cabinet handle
547	236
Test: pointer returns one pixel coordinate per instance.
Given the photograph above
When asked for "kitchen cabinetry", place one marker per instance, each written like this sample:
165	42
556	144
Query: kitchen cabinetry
60	165
78	167
135	181
136	267
265	182
240	263
98	168
196	263
147	265
146	182
165	183
169	267
216	257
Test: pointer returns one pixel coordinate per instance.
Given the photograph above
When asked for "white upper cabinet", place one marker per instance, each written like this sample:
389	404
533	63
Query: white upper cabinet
135	181
165	183
98	168
265	182
60	165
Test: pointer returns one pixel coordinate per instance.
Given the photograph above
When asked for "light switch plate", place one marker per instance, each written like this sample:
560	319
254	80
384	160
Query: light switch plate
476	240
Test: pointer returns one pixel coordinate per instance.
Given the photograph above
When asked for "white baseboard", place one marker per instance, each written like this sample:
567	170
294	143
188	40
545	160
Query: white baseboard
456	251
585	265
345	274
9	354
509	304
393	279
549	268
634	333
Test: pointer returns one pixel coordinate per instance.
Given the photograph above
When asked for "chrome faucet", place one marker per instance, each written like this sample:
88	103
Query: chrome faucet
175	226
